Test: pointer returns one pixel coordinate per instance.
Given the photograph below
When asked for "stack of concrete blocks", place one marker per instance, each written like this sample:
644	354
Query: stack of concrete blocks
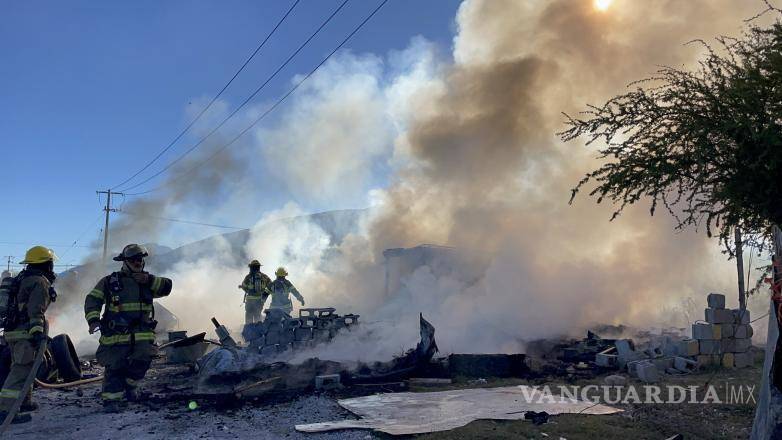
313	326
724	339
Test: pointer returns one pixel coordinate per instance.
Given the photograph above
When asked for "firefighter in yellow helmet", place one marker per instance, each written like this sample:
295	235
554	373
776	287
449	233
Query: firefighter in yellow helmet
127	341
256	290
281	290
30	294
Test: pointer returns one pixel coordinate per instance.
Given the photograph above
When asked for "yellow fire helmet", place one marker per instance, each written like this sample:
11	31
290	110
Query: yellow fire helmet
281	272
38	254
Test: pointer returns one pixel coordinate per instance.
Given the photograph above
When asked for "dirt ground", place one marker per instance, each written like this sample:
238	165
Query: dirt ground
68	414
638	421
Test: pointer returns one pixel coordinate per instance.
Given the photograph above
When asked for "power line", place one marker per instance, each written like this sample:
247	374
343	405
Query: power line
182	221
270	109
73	245
22	243
208	106
247	100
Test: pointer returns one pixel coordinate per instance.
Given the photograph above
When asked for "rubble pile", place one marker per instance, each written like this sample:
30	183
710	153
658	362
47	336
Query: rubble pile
279	332
723	340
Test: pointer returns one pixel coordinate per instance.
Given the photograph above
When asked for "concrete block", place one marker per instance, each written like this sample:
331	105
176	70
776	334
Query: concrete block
320	335
663	363
716	300
705	360
688	347
743	331
708	346
302	334
706	331
728	360
327	382
626	352
726	330
736	345
607	360
647	372
718	316
624	347
269	350
615	380
740	316
684	365
741	360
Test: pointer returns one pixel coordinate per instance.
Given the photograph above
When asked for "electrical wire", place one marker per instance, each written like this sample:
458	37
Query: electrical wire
208	106
182	221
73	245
21	243
273	107
247	100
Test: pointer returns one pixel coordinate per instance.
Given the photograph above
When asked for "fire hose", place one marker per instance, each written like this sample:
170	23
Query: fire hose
76	383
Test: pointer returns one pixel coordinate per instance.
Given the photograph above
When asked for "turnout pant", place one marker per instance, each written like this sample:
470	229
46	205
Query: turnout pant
125	365
22	359
252	311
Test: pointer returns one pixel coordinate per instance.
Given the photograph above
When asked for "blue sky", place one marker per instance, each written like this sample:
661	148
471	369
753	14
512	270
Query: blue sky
90	91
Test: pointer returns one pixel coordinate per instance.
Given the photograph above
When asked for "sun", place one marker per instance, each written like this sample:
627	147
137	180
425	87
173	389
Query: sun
602	5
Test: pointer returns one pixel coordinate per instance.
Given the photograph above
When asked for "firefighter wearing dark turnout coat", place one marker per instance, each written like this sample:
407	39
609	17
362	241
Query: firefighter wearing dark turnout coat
25	326
127	341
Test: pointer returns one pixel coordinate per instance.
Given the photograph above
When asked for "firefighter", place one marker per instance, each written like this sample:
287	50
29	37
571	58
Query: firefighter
127	341
281	289
256	290
25	326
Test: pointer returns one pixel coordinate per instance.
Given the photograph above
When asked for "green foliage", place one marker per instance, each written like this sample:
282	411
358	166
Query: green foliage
705	144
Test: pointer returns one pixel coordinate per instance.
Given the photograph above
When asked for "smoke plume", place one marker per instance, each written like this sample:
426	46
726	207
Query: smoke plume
459	150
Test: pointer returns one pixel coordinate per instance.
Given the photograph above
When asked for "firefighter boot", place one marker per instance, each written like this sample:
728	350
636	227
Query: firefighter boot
19	418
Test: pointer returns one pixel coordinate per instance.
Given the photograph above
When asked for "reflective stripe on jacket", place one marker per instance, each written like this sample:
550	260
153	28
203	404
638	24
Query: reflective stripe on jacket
127	307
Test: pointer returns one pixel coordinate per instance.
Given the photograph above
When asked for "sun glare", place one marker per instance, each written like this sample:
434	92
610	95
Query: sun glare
602	5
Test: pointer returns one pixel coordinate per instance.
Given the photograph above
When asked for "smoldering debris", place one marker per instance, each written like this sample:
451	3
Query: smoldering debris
229	368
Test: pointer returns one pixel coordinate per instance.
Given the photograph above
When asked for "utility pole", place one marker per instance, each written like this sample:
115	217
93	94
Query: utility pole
9	258
740	269
107	209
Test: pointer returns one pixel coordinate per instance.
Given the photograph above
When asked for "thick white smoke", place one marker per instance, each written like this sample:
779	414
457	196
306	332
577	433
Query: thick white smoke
460	150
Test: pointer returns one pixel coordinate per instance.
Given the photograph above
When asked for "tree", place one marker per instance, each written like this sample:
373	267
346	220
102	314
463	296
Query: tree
705	144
